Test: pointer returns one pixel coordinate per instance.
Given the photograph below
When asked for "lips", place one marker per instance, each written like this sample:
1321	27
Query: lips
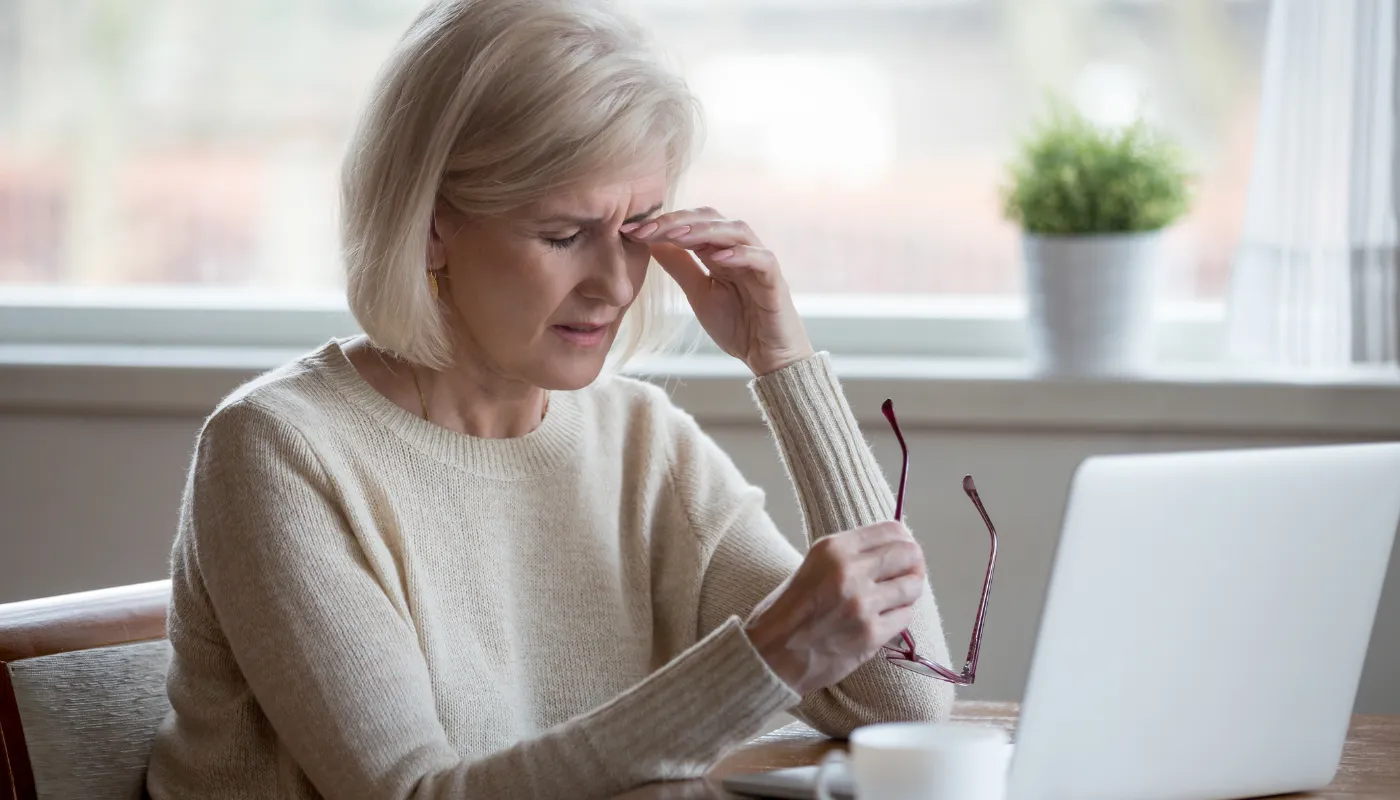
583	334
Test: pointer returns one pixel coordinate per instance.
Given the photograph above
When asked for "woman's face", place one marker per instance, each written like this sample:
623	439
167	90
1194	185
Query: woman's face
537	295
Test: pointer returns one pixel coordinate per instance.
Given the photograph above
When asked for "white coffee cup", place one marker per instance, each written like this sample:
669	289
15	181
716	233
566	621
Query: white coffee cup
924	761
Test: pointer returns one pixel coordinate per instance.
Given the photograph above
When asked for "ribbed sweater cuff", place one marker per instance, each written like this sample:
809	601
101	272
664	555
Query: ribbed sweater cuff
839	484
683	718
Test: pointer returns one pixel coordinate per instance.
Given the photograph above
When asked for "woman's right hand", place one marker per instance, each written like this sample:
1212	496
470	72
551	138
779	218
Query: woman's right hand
853	593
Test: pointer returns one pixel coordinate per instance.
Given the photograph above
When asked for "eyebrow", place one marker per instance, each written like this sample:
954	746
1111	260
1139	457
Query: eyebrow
581	221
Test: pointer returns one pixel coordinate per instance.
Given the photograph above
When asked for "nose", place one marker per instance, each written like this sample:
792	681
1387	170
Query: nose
609	280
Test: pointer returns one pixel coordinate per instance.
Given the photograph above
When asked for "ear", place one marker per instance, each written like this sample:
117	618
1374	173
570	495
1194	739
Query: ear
445	224
437	249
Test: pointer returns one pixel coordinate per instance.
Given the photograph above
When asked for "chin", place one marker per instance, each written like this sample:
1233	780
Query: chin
565	368
566	375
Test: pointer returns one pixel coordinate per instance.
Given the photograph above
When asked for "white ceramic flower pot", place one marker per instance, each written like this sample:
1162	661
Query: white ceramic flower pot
1090	300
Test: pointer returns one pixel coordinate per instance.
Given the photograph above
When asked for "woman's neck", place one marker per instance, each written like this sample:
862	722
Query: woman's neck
464	398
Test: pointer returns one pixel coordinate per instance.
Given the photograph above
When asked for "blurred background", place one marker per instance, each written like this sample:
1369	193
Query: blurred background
196	143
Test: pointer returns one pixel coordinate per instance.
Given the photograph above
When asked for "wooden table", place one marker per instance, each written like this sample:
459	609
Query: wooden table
1370	761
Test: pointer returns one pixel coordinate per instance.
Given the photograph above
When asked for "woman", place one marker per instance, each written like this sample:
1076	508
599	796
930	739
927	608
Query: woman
452	558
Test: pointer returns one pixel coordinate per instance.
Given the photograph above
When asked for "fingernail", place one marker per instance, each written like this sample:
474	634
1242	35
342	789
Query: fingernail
678	232
723	255
629	227
647	230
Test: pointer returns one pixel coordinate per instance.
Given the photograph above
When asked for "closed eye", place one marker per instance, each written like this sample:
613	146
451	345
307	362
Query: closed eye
565	243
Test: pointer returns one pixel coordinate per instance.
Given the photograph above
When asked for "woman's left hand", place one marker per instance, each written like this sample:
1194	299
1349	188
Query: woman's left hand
739	296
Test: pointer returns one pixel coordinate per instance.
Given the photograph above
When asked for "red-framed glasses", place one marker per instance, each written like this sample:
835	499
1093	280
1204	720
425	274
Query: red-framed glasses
900	651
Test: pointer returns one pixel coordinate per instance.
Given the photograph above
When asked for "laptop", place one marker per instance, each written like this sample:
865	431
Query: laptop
1204	627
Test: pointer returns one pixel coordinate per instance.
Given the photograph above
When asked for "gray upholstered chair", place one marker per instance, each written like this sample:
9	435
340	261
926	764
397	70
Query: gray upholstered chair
82	691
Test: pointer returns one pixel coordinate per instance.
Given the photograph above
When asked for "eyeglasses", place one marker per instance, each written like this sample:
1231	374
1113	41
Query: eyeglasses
900	650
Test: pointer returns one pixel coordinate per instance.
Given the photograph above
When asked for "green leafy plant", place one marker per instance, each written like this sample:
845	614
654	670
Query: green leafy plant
1072	177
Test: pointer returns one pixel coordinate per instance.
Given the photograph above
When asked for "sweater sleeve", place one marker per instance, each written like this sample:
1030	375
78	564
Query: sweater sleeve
839	487
335	666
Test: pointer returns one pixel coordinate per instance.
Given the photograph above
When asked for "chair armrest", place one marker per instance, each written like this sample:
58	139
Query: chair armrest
122	614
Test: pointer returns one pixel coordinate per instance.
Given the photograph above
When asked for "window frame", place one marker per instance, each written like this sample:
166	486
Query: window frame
922	327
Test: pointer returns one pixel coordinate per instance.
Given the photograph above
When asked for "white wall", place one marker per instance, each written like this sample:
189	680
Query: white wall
90	499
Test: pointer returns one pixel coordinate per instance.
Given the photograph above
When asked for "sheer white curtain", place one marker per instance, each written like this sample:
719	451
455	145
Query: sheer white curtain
1315	279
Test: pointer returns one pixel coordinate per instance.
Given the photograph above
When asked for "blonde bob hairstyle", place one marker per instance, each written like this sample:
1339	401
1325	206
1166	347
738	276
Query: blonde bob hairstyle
492	105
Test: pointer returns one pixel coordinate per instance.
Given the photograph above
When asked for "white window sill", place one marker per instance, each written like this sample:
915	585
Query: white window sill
943	393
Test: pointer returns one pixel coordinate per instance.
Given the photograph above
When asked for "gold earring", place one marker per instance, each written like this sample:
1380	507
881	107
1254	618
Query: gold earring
432	283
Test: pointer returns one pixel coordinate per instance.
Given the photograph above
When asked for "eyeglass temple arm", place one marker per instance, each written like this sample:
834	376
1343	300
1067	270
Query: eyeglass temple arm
969	672
888	408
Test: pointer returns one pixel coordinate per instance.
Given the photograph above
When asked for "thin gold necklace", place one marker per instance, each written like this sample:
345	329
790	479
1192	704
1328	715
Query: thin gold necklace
423	401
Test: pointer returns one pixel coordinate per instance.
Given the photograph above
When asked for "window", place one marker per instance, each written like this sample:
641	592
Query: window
149	143
865	140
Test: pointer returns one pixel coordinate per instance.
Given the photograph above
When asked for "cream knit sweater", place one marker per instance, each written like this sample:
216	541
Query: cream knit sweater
367	605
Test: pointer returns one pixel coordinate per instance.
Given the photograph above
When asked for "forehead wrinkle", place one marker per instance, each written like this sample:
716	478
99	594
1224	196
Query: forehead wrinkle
592	204
575	218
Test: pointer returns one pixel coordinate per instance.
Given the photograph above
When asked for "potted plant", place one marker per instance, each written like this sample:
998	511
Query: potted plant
1092	203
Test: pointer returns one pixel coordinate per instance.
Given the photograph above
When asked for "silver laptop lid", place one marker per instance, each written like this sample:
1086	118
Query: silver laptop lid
1206	622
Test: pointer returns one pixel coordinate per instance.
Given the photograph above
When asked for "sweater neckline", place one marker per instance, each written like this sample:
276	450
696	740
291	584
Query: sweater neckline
551	445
